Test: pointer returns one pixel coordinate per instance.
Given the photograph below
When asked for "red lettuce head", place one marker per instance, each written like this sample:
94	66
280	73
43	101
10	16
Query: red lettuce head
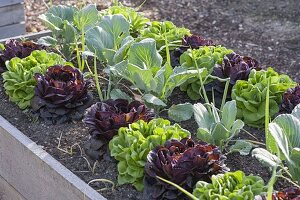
182	162
61	94
105	118
291	98
192	41
292	193
235	67
14	48
196	41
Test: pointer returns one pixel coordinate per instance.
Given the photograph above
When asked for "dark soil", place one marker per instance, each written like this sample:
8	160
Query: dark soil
267	30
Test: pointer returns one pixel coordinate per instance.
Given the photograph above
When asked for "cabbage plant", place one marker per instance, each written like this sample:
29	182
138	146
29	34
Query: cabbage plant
284	130
144	70
110	39
215	128
69	26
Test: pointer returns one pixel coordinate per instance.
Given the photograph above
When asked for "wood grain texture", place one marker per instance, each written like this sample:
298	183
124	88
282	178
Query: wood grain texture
12	14
12	30
8	192
9	2
34	173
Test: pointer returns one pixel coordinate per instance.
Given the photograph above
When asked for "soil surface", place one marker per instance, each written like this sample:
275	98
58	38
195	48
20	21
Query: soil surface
266	30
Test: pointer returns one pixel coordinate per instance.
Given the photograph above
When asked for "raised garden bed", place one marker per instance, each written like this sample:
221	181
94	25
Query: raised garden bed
70	139
28	172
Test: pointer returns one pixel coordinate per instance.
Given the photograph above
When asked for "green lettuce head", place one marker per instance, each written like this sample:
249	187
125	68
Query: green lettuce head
132	145
206	57
160	31
19	80
231	185
250	95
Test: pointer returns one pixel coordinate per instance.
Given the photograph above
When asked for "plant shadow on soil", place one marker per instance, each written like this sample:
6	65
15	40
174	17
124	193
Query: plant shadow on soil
266	30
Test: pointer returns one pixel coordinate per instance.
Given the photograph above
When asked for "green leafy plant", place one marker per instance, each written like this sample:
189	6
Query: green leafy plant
110	39
285	131
68	26
109	43
160	31
132	145
231	185
250	95
215	128
205	57
144	70
19	80
136	19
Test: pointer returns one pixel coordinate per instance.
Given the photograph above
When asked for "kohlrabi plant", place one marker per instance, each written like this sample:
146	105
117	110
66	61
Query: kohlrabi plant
215	128
284	130
14	48
290	99
105	118
110	39
250	95
231	185
183	162
109	42
19	82
132	144
69	25
61	94
161	31
205	57
154	81
136	19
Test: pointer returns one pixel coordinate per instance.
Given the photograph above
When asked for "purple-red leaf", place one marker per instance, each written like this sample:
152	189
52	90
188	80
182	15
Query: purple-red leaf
105	118
182	162
292	193
235	67
291	98
14	48
193	42
61	94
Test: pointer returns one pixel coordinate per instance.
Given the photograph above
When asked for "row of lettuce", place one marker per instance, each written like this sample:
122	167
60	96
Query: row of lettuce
120	54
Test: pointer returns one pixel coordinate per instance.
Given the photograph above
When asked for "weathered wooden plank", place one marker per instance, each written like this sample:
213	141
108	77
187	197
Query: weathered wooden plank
9	2
28	36
8	192
34	173
12	30
12	14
